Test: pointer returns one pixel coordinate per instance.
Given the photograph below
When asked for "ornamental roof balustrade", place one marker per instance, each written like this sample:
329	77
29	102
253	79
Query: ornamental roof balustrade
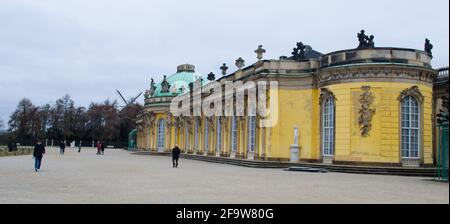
377	55
442	74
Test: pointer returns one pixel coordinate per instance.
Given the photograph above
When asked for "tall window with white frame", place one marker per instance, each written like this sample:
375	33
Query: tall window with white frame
196	129
218	134
410	114
234	134
186	138
328	127
251	133
161	129
206	140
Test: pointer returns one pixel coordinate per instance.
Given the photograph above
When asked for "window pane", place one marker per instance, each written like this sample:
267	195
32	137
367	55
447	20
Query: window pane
328	127
410	128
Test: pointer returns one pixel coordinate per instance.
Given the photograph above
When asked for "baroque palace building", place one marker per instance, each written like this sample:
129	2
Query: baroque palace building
364	106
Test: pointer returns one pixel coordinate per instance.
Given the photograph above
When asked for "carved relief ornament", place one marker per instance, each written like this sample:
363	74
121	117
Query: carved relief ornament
325	94
413	91
365	112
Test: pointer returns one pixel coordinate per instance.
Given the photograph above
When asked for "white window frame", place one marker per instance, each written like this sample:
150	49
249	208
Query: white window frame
161	133
234	134
328	127
196	135
410	128
206	136
219	134
186	137
251	133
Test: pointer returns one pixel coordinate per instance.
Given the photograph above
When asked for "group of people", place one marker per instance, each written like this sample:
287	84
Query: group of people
39	151
100	148
62	147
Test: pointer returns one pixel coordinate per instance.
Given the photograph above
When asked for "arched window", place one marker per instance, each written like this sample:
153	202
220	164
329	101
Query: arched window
251	133
219	134
328	127
206	136
196	130
161	127
233	134
410	124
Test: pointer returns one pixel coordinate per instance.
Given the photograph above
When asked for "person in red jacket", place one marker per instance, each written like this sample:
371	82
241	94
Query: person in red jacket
99	147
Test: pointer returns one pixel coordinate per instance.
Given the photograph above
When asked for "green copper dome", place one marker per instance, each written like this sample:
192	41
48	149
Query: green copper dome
178	83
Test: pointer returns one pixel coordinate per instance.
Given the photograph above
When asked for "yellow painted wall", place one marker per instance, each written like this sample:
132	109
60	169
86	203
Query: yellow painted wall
297	108
301	109
383	142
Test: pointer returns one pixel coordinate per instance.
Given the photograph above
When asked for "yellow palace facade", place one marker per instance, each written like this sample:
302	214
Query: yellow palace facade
364	106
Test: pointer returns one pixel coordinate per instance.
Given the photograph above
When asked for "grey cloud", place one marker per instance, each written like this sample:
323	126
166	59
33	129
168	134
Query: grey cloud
90	48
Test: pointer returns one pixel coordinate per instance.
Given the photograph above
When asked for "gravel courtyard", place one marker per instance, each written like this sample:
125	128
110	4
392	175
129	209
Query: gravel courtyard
121	177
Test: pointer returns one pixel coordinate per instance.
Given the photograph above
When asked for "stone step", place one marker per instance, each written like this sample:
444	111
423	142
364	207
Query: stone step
399	171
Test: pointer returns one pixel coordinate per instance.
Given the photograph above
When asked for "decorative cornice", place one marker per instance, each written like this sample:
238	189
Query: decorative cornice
374	71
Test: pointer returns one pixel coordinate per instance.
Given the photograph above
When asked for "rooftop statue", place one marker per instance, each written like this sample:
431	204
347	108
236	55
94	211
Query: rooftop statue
299	52
428	47
165	86
150	91
371	43
365	41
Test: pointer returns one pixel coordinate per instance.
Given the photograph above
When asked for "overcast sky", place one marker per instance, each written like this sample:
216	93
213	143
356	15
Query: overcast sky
88	48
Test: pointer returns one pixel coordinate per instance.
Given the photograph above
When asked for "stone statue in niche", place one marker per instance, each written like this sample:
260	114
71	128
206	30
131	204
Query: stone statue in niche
365	112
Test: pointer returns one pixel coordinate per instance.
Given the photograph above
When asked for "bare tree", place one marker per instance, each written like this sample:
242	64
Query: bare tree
127	118
64	121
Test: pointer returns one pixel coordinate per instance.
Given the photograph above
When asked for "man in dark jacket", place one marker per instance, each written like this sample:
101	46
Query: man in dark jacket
175	155
38	153
62	147
103	148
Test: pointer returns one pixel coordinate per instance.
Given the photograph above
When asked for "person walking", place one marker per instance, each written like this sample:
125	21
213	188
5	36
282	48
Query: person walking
103	148
175	156
99	147
38	153
62	148
79	146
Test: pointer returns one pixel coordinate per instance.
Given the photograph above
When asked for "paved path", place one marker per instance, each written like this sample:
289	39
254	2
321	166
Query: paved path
120	177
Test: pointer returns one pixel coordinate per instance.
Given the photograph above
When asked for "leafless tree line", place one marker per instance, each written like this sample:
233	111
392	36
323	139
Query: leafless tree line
64	121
